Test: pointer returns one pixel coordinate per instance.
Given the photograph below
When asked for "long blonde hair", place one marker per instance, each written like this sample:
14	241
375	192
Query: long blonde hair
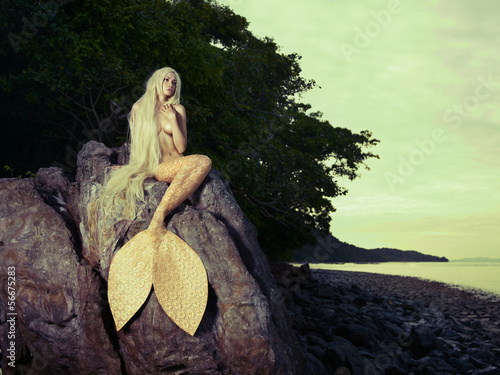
145	153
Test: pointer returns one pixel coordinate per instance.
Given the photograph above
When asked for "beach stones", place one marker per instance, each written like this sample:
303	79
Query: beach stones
359	323
423	340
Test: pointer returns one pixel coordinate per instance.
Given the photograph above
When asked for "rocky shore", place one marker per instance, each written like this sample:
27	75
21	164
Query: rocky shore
362	323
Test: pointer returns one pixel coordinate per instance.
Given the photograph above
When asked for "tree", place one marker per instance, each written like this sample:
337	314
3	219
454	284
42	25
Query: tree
72	75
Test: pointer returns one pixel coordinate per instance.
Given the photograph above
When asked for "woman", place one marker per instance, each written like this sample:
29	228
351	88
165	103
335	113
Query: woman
158	139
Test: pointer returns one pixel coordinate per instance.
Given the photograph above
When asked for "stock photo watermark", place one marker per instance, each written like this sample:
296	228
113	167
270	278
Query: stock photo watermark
322	251
11	316
483	91
453	117
415	158
106	124
40	19
89	135
105	127
247	148
363	36
379	21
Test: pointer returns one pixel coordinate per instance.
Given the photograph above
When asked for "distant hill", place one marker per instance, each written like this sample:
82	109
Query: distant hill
330	250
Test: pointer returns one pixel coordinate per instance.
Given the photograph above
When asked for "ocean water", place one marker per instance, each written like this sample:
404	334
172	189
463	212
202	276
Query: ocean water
474	275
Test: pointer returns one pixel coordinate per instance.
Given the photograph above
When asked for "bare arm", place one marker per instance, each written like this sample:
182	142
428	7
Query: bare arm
173	121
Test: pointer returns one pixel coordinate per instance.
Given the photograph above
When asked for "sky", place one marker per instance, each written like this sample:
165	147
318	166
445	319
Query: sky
424	77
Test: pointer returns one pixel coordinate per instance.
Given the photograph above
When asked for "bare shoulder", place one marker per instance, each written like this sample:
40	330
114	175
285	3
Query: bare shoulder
180	108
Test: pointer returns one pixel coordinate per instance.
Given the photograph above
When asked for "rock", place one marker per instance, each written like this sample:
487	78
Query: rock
424	340
437	364
463	363
339	350
326	292
314	366
378	299
490	370
394	369
481	353
359	335
404	332
51	232
359	365
451	334
360	302
317	312
318	351
59	299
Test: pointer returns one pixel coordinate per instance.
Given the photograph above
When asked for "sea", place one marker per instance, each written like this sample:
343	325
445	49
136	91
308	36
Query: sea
482	277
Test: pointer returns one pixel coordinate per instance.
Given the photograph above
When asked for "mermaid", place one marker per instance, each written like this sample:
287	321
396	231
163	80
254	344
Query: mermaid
155	256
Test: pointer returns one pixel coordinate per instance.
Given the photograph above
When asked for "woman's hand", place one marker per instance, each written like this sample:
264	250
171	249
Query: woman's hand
173	123
169	111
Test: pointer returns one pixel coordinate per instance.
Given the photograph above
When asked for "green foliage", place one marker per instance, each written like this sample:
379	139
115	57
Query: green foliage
74	78
9	169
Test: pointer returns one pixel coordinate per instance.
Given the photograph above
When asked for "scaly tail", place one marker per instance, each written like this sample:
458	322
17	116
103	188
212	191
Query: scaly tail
165	260
180	282
131	277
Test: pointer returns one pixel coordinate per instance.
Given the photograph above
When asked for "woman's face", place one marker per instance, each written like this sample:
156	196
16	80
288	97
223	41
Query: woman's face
169	84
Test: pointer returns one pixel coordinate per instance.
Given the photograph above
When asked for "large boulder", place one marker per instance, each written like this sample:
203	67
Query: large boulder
59	325
61	247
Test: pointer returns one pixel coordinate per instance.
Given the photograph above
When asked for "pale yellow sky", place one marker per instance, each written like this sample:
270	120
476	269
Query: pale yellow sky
424	77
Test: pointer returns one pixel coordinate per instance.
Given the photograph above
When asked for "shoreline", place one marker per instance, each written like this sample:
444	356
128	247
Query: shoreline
406	280
351	322
412	269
